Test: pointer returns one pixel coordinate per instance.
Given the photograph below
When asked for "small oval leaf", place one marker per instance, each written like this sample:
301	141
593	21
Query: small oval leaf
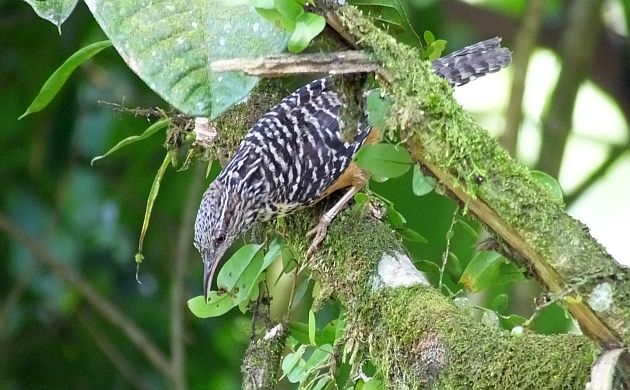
421	184
385	160
482	271
378	109
307	26
550	183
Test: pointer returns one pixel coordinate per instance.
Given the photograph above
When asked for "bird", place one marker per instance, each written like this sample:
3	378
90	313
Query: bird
297	154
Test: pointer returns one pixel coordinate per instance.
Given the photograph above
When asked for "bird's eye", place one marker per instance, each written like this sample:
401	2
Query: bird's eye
219	238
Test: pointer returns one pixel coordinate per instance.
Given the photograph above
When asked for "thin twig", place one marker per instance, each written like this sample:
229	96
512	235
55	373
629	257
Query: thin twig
351	61
113	354
14	295
182	254
616	152
93	297
449	235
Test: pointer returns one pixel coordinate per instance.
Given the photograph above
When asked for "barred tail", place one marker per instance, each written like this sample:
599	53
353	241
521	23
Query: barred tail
473	61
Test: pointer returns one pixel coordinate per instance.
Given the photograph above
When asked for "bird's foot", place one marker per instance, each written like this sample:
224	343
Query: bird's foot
319	233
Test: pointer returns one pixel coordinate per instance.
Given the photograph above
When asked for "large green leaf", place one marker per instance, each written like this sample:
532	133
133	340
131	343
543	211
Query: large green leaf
171	43
55	11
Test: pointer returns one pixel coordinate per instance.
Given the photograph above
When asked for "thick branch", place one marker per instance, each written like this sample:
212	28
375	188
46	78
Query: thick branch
500	192
414	335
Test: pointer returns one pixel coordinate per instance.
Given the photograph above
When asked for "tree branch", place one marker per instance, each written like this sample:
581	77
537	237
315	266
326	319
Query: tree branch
415	336
524	45
113	354
501	193
578	47
178	287
616	152
283	65
96	300
264	353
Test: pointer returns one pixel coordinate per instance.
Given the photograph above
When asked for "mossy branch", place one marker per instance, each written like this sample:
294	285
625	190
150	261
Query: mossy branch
501	193
415	336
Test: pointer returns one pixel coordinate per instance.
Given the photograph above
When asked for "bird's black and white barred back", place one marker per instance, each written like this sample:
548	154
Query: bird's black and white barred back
294	152
472	62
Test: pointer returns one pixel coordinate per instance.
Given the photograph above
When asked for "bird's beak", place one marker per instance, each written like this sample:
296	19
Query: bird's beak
209	266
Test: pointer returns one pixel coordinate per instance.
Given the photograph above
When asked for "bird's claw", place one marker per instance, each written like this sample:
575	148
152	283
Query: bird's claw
319	232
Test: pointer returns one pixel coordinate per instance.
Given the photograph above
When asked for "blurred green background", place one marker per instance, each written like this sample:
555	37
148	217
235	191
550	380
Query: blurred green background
69	301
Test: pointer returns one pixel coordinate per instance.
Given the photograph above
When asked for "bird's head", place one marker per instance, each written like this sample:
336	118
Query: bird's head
220	220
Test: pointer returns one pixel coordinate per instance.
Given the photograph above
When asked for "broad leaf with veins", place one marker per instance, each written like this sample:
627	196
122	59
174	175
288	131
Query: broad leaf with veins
171	43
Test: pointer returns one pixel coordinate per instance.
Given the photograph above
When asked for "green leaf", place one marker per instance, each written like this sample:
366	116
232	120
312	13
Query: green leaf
340	325
511	321
428	36
420	184
288	262
490	319
454	266
395	218
482	271
373	384
360	198
236	266
299	331
437	49
154	128
55	11
274	251
297	374
500	303
275	17
378	108
307	27
292	359
394	15
54	83
385	160
318	357
153	193
411	235
289	9
472	231
321	383
170	45
300	293
217	305
550	183
311	327
428	267
510	273
265	4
